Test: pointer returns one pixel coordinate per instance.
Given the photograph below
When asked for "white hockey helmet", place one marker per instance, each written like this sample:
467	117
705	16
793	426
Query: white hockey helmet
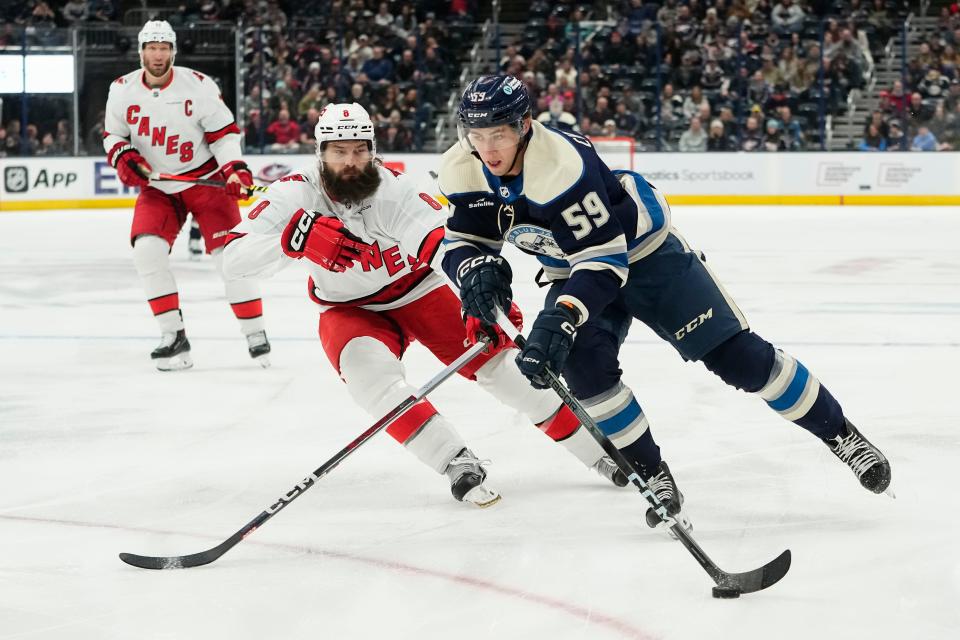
157	31
339	122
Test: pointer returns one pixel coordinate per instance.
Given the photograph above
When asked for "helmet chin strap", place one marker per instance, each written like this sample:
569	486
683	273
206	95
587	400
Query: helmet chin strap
516	156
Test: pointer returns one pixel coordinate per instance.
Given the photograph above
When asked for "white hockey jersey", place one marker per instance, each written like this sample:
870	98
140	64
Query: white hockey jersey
182	128
403	226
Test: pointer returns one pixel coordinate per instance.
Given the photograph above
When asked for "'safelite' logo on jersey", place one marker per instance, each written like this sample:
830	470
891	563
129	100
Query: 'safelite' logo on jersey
16	179
534	239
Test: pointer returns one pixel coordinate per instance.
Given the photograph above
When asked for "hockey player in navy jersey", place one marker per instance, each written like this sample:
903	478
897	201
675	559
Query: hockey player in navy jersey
605	243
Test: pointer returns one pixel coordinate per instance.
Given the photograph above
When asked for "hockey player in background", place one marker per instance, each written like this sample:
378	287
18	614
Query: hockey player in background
370	241
173	120
605	242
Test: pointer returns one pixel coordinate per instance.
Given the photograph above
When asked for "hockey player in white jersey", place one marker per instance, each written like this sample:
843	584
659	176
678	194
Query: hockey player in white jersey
371	242
168	119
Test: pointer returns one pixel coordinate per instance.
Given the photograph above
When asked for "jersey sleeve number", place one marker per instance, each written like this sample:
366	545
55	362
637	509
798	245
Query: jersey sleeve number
584	219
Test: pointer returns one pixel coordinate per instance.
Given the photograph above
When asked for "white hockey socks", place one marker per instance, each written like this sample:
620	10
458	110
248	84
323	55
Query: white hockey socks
375	380
243	296
151	258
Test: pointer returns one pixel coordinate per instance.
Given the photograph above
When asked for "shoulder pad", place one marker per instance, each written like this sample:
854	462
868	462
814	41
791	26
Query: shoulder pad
461	172
551	165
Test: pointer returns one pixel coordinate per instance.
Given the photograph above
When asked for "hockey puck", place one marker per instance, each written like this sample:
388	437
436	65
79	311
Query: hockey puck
726	592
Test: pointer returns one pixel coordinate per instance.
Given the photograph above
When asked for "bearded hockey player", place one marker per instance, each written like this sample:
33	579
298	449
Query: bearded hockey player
172	120
605	243
370	241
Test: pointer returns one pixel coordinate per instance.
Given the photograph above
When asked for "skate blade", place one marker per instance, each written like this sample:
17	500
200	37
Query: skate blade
889	492
481	497
681	521
178	362
263	361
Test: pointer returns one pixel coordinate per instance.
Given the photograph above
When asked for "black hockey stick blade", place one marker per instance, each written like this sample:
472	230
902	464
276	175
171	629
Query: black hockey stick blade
181	562
758	579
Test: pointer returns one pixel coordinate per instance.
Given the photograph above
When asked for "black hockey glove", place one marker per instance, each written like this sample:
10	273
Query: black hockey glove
548	345
485	287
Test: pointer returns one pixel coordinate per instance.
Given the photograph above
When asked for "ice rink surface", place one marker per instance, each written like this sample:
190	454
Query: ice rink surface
100	453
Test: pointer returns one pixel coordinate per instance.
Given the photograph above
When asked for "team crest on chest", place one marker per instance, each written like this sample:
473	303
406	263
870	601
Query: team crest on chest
534	239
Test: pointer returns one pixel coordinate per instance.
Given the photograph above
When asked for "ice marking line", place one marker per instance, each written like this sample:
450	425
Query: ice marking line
621	627
633	341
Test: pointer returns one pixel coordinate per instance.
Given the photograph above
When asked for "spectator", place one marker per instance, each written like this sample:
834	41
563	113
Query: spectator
251	133
46	146
790	130
933	84
14	144
32	142
787	17
918	112
394	136
694	138
873	140
924	140
285	133
897	139
311	100
627	123
94	140
693	103
772	138
76	11
752	139
897	100
876	120
379	69
717	140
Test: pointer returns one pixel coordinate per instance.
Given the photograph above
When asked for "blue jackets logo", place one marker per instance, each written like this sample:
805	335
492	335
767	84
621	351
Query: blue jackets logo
16	179
533	239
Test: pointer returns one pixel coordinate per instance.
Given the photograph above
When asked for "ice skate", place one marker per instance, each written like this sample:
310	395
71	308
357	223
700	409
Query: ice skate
663	485
607	468
865	460
259	348
466	480
173	354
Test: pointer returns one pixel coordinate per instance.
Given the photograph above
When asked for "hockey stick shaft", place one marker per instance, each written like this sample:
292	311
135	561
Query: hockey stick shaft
208	556
745	582
206	182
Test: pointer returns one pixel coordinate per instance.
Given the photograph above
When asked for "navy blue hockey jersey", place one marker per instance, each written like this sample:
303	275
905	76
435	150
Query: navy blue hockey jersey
584	222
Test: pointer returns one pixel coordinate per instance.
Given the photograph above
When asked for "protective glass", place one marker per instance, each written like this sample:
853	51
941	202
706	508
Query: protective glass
490	138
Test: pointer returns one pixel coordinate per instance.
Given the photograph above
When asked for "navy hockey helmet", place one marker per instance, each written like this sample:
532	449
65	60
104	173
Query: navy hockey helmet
491	101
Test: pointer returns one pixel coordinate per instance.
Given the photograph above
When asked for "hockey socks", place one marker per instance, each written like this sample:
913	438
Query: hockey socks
620	418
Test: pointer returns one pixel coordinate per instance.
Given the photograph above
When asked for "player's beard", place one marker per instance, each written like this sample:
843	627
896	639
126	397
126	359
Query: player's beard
163	71
354	188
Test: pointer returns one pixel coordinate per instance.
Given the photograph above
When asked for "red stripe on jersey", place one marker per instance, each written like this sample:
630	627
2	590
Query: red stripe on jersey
429	246
213	136
410	422
163	304
561	425
207	167
247	310
393	291
111	160
231	236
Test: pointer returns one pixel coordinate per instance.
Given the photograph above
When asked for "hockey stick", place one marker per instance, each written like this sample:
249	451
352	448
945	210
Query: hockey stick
728	584
208	556
206	182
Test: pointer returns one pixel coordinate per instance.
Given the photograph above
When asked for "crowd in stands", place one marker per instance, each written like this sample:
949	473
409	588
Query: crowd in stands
698	75
687	75
391	57
921	112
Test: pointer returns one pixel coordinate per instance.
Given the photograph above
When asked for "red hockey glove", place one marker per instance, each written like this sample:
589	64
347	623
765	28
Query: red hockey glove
131	167
238	177
322	240
477	329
